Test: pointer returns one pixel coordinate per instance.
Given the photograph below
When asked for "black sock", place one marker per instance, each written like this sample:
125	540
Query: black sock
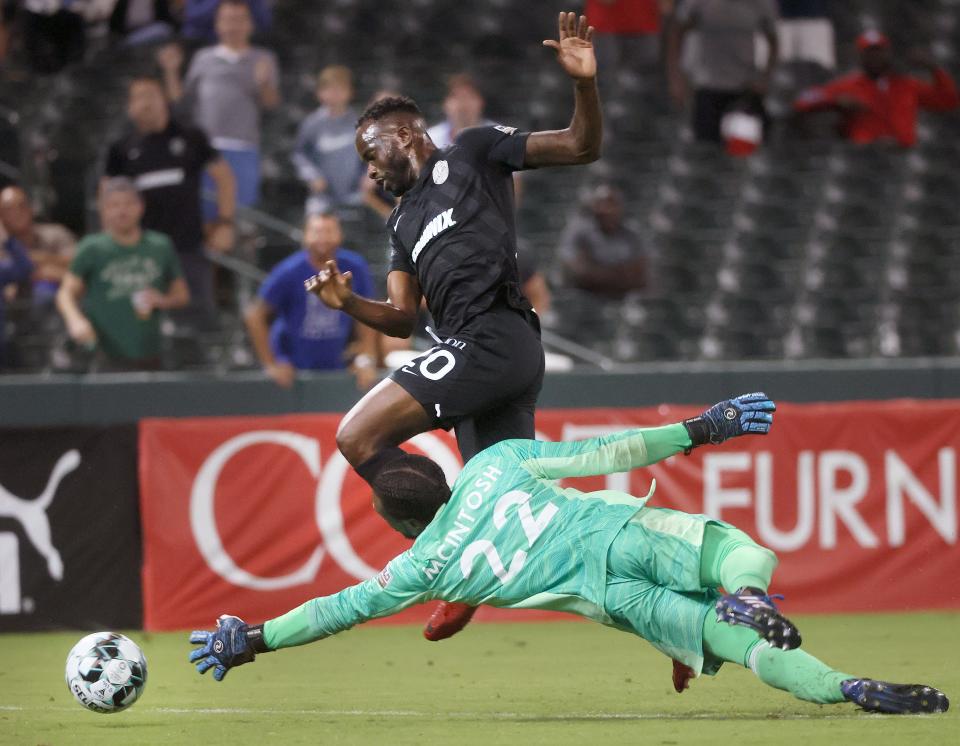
372	466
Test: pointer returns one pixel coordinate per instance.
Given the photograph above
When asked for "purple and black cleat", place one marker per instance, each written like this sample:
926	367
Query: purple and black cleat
894	699
754	608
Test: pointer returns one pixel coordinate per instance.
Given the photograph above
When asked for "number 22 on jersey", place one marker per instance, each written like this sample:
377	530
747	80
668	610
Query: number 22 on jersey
532	526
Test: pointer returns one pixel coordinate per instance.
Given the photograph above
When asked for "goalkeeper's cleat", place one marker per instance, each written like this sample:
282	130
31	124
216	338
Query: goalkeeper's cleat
448	619
753	608
894	699
682	675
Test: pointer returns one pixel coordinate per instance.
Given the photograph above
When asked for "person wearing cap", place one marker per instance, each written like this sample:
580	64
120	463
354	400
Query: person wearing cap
877	103
118	282
324	155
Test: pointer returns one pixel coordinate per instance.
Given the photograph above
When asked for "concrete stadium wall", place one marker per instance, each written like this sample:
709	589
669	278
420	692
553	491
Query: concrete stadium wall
107	399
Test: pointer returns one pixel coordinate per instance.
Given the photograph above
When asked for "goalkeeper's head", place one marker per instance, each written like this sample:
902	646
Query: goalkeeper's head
408	492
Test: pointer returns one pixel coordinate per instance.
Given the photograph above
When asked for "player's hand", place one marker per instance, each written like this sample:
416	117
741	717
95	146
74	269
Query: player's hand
748	414
333	288
575	47
82	331
228	646
282	373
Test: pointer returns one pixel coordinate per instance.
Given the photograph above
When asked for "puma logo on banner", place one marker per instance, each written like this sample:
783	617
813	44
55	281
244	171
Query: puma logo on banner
435	227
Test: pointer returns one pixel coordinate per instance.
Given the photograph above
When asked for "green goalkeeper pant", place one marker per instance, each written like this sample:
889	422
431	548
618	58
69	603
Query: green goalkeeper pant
732	560
663	572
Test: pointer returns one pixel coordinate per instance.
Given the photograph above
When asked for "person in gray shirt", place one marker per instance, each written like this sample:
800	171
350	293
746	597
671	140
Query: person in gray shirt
723	70
325	155
600	253
225	89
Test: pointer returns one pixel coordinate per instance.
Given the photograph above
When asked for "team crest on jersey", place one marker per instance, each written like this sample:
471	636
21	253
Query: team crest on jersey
440	172
177	146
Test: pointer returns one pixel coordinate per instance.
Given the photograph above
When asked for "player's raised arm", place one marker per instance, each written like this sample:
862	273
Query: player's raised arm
581	141
749	414
395	317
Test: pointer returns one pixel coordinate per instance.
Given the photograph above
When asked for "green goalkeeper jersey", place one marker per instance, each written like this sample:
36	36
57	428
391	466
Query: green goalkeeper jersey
509	536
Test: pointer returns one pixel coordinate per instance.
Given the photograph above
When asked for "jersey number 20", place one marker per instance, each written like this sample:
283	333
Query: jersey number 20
532	526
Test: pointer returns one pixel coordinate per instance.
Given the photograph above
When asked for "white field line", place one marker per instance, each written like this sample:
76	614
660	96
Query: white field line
419	714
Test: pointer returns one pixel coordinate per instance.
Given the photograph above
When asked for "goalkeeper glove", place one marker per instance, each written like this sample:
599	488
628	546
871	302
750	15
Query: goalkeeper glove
749	414
232	643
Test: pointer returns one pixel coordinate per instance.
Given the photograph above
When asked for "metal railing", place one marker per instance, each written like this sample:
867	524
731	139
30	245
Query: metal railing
249	271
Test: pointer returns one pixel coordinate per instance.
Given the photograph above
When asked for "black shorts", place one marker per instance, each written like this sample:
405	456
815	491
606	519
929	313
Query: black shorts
484	382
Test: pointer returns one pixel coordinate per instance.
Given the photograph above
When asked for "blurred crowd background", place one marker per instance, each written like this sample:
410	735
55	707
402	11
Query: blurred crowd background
780	178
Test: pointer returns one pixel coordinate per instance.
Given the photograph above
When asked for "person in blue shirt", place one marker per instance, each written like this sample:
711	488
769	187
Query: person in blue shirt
292	329
15	267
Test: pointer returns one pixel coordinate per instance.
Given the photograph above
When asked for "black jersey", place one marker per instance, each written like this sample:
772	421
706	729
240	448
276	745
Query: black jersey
455	228
168	168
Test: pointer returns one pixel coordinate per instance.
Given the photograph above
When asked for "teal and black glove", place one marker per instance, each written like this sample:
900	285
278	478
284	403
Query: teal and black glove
231	644
748	414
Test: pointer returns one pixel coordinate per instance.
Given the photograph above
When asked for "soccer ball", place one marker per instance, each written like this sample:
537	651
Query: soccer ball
106	672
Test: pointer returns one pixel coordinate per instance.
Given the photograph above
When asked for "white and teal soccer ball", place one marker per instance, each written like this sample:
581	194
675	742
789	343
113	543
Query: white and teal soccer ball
106	672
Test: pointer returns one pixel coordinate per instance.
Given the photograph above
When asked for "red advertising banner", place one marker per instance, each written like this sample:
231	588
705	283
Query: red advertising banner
255	515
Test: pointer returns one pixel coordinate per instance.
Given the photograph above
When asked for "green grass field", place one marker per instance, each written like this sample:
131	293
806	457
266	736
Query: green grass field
554	683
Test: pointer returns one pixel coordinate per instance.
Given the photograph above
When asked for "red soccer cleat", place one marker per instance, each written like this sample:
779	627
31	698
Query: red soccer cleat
682	674
448	619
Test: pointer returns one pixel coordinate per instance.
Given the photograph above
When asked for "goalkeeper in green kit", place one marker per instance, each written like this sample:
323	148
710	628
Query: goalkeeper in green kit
507	535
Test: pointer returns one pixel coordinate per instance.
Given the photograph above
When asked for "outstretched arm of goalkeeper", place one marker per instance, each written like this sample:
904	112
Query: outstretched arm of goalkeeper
234	642
748	414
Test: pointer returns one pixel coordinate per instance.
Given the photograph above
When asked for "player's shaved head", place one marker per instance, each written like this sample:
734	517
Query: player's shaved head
408	492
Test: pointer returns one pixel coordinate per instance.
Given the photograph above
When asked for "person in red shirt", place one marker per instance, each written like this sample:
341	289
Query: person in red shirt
626	33
877	103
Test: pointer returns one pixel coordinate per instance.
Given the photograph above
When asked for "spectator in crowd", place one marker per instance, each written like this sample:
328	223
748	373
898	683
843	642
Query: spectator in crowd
325	155
599	251
54	33
292	329
15	267
167	161
199	18
144	21
124	276
225	89
626	33
723	70
50	246
463	107
877	103
805	33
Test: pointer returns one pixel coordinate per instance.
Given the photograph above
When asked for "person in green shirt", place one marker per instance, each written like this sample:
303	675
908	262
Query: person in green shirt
507	534
124	276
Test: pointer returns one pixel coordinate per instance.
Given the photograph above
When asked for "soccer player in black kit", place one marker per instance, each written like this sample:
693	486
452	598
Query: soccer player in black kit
453	242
